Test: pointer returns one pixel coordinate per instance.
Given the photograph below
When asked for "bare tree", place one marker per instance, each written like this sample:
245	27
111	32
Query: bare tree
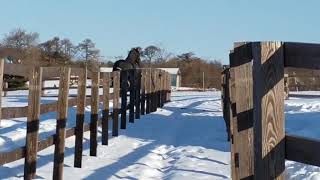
151	53
88	51
20	39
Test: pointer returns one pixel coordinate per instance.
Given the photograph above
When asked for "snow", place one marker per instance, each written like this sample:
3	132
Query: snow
186	139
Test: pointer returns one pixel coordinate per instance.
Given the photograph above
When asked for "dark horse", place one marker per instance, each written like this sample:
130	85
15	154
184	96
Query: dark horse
131	62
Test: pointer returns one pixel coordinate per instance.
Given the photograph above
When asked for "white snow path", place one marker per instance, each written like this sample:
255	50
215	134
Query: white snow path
184	140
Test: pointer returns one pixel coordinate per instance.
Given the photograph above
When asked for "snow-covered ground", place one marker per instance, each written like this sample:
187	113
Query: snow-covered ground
186	139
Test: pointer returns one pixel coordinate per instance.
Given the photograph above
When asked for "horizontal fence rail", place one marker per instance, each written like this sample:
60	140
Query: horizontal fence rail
150	89
253	93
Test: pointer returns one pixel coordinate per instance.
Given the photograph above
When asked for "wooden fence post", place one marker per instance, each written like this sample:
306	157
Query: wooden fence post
81	102
242	109
233	122
116	104
143	91
33	122
268	110
148	91
137	93
1	85
153	91
94	112
105	111
62	110
132	95
124	90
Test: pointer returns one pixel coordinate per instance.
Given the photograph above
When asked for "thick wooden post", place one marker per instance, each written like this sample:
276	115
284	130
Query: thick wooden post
124	90
1	85
132	95
143	91
233	123
242	109
148	91
105	111
116	104
61	122
169	87
81	101
33	122
95	78
153	91
268	110
137	93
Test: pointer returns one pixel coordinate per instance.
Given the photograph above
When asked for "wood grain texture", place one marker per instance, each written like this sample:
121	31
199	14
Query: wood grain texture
33	122
233	125
268	73
148	91
143	91
243	102
62	115
81	101
137	93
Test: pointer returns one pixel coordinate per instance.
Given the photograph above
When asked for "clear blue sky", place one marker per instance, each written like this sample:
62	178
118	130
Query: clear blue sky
206	27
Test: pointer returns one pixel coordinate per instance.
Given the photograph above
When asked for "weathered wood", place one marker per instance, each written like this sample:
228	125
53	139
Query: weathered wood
137	93
233	123
116	104
81	101
124	90
243	137
132	79
1	85
94	113
302	55
148	91
16	112
62	115
19	153
268	110
143	91
33	123
303	150
153	91
105	111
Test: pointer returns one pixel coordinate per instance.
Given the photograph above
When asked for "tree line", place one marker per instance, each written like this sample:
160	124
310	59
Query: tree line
58	50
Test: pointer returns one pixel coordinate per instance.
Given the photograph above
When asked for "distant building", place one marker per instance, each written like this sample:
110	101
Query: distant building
174	72
175	76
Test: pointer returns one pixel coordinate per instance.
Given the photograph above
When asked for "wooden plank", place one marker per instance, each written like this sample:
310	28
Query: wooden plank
137	93
153	91
81	101
302	55
143	91
105	111
94	113
268	110
62	116
148	91
33	123
124	90
233	124
1	85
302	149
116	104
132	94
243	140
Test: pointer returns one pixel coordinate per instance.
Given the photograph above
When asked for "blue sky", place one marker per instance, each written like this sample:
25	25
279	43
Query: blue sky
206	27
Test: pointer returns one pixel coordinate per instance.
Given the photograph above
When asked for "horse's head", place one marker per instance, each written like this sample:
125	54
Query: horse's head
134	56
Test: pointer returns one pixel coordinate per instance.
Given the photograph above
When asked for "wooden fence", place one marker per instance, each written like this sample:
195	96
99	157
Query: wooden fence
253	103
150	88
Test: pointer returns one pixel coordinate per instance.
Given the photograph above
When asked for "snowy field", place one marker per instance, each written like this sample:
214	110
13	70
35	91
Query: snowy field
186	139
